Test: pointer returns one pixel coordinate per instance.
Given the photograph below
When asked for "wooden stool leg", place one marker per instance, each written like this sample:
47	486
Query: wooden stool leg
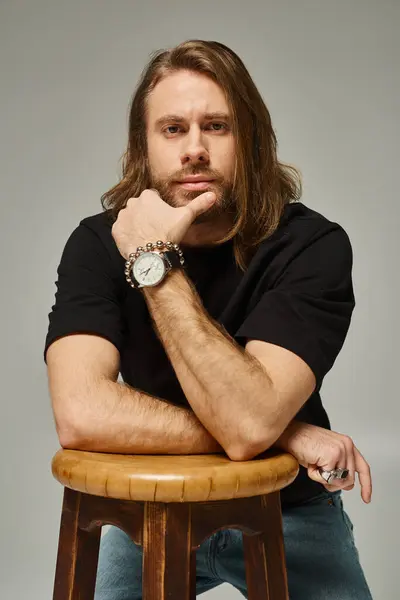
78	552
265	555
169	563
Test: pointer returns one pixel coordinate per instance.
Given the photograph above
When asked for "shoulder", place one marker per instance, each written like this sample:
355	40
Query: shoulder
98	227
303	228
99	224
306	244
92	238
306	223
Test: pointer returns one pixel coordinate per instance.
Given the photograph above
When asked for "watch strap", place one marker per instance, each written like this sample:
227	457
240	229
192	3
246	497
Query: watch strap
173	258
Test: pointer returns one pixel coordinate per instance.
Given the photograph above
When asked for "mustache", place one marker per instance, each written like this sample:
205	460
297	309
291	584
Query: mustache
196	170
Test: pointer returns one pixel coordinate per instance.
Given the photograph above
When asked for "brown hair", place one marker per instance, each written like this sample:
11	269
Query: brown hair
262	185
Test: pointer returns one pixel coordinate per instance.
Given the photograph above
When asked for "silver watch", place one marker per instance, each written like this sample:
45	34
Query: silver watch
147	267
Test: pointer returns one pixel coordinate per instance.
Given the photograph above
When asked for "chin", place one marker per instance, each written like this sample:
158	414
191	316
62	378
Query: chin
181	199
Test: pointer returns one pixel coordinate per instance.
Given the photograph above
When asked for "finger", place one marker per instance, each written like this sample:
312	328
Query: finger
337	460
347	483
315	475
350	466
364	475
201	203
153	190
349	487
337	457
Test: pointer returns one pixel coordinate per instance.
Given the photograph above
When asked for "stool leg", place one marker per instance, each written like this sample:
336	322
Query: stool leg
169	563
78	552
265	555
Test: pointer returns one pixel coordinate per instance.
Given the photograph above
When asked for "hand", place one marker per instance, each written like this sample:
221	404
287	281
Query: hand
316	447
149	219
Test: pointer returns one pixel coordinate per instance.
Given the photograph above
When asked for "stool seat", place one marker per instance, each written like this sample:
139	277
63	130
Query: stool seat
173	478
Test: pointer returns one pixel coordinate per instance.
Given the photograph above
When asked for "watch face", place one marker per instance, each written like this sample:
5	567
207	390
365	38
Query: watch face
149	269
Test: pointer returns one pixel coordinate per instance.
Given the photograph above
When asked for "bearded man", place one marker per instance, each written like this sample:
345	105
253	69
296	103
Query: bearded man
222	301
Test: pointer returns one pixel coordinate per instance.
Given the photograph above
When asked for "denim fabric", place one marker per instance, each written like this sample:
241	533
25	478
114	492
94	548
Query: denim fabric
321	557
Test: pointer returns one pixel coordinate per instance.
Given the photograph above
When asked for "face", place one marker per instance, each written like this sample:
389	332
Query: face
191	147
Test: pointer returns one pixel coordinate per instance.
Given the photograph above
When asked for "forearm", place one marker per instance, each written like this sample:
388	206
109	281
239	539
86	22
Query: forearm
288	437
296	432
216	374
119	419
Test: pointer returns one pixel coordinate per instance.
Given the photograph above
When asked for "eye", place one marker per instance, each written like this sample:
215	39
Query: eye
218	126
172	130
169	128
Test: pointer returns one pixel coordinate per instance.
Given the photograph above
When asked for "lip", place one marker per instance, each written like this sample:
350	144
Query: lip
195	185
195	182
195	178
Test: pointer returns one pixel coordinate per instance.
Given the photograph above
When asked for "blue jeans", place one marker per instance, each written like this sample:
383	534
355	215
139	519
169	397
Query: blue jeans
321	557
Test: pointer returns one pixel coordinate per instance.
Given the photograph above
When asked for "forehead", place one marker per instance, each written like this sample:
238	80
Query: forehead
188	94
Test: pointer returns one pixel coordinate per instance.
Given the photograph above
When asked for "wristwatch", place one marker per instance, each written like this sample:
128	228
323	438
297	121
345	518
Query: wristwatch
147	267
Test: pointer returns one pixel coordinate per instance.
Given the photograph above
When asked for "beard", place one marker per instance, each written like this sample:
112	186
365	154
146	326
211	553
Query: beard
176	196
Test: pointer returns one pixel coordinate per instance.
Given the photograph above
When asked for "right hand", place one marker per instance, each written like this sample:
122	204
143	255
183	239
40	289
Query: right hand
316	447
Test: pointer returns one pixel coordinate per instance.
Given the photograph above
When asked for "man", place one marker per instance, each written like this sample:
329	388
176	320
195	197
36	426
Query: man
226	353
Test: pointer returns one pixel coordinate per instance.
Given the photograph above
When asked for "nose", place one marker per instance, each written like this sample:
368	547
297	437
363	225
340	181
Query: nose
194	150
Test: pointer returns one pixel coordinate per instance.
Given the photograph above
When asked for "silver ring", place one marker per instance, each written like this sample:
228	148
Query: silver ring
338	473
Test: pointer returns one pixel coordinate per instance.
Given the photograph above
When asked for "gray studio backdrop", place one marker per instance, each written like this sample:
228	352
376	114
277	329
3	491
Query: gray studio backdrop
327	71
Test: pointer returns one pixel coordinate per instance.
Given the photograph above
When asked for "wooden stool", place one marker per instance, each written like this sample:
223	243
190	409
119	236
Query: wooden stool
170	505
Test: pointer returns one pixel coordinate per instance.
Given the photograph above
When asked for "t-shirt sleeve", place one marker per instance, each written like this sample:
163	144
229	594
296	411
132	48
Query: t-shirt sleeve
308	310
87	299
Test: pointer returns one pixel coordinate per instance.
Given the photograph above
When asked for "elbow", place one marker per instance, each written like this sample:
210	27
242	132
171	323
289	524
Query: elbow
250	447
72	441
246	451
241	454
71	434
68	437
67	443
79	433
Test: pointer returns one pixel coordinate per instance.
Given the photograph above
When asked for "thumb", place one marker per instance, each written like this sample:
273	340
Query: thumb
201	203
314	474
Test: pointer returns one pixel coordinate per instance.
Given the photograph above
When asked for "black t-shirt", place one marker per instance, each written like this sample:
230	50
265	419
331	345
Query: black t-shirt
296	293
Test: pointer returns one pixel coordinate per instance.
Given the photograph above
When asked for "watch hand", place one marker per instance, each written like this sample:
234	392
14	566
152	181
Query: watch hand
153	264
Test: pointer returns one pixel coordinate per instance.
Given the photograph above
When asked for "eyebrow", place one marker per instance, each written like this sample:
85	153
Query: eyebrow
179	119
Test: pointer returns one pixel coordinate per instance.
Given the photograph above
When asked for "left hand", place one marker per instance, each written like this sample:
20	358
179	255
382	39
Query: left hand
149	219
316	447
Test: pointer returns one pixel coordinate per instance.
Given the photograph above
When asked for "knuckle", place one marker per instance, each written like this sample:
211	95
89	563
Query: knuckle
336	452
347	440
344	448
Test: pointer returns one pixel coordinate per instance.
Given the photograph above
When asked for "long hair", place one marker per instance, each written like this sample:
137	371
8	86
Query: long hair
262	185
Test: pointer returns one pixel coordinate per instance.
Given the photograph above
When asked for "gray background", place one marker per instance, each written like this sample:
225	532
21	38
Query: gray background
327	72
